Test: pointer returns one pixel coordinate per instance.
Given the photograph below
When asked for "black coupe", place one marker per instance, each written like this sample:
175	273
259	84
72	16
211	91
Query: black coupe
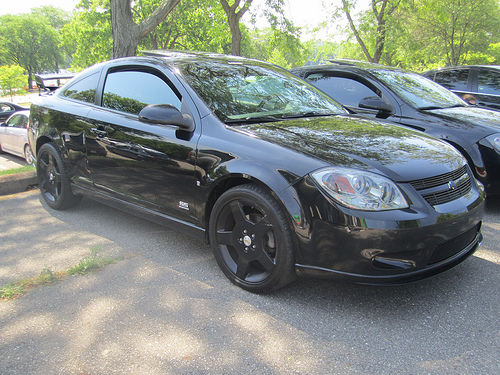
275	175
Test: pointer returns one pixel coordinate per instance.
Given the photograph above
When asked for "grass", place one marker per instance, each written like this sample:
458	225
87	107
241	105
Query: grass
26	168
90	263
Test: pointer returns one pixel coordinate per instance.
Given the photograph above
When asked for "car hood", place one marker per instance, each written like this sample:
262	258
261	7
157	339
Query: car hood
484	121
398	153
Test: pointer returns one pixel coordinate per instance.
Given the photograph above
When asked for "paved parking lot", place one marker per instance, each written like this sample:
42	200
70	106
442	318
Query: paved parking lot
167	309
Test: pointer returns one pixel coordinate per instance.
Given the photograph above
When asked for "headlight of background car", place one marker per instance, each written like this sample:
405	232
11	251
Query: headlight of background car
494	139
360	190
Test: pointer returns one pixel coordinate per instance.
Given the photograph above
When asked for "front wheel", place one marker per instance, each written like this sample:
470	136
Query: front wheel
53	180
251	239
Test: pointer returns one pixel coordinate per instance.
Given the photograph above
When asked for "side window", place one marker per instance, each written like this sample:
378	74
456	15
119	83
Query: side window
5	108
131	91
453	79
488	82
344	90
15	121
84	89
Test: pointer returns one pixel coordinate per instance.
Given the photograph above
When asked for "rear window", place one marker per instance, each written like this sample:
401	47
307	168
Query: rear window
453	79
83	90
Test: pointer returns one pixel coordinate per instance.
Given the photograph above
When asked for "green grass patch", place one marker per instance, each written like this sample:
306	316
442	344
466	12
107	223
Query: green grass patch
26	168
90	263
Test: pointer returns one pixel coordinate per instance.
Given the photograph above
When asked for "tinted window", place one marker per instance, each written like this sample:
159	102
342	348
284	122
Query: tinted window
5	108
344	90
453	79
418	91
239	91
18	121
83	89
488	82
131	91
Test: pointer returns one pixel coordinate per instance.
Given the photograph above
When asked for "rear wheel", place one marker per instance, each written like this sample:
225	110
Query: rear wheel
251	239
53	180
28	155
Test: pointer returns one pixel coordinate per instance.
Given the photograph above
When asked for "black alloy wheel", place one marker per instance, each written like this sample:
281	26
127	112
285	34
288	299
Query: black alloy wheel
251	239
53	180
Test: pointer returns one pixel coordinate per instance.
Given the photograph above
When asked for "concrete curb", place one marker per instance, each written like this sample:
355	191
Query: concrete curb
17	183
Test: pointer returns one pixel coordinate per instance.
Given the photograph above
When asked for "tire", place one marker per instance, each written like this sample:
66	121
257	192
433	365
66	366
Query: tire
28	155
251	239
53	180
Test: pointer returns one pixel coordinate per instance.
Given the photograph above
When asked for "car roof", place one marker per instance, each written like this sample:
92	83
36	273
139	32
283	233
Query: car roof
495	67
183	56
349	65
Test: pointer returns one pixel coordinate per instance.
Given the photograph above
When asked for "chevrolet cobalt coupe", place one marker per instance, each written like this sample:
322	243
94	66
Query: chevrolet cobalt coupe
273	174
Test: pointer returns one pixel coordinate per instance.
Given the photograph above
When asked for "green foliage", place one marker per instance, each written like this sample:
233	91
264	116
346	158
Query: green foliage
31	42
12	80
91	263
276	46
88	37
25	168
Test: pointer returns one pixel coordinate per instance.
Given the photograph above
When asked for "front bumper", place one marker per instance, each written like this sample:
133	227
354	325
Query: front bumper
389	247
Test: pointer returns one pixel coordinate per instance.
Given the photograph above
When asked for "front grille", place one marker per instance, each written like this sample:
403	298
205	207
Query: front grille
444	188
450	248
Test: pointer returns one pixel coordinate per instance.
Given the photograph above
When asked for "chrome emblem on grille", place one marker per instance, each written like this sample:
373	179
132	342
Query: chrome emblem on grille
452	185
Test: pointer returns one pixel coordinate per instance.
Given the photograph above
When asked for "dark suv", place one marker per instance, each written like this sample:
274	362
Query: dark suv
406	98
477	84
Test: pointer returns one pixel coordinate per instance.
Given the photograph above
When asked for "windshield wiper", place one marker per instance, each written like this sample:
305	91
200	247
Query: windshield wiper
430	107
253	120
309	114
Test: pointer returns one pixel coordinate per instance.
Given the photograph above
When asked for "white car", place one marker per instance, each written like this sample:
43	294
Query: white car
13	136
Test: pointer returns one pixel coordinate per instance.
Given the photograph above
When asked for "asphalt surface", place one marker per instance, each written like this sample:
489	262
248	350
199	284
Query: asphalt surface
166	308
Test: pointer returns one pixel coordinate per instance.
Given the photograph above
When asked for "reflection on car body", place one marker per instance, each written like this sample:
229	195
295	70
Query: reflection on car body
276	176
406	98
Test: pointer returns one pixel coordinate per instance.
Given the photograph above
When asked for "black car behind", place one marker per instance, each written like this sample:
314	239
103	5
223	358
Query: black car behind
276	176
406	98
477	84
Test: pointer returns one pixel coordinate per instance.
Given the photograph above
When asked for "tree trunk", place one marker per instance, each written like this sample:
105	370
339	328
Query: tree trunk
233	17
126	33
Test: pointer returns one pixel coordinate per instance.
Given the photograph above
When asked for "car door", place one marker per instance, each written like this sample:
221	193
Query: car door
149	165
13	136
488	88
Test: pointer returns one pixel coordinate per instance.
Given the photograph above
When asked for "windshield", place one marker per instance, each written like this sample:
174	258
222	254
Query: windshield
242	91
420	92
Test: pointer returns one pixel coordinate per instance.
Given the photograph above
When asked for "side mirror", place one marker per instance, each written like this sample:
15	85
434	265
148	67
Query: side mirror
3	124
374	102
166	114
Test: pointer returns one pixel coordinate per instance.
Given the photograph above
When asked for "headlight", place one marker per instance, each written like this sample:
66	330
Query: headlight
494	139
360	190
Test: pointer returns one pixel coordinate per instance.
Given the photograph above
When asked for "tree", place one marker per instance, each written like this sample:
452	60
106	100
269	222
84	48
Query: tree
30	42
460	29
234	13
196	25
126	33
370	28
88	37
12	80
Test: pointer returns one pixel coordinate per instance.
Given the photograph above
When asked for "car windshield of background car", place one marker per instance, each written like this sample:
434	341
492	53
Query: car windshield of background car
241	91
420	92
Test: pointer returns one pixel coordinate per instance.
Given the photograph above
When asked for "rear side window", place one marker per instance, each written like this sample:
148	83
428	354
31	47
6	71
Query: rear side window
18	121
84	89
131	91
344	90
488	82
453	79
